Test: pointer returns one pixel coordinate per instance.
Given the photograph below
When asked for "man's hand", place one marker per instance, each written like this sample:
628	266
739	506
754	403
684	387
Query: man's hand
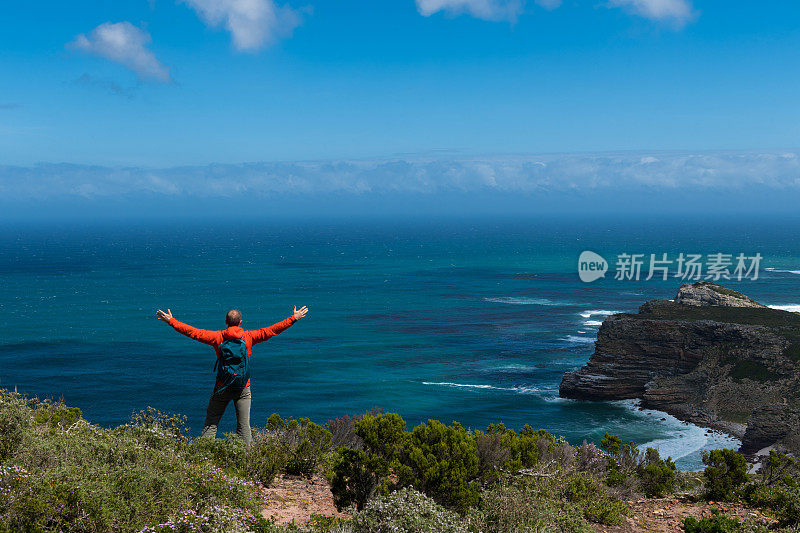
166	317
299	313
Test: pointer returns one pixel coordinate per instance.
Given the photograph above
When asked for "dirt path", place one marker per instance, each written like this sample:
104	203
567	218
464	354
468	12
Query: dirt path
294	499
667	514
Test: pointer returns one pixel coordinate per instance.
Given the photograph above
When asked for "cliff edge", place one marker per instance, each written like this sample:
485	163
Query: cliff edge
713	357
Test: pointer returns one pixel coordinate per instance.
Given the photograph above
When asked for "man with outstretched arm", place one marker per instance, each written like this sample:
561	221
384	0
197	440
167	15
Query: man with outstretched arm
233	346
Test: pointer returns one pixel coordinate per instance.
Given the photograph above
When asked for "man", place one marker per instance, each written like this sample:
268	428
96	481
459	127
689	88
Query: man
233	346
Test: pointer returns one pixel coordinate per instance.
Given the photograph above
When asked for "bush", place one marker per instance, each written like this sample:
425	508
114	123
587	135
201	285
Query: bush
627	456
150	417
359	473
15	419
305	444
356	477
779	468
406	511
383	434
546	504
725	471
442	462
716	523
783	500
657	476
502	450
69	475
343	430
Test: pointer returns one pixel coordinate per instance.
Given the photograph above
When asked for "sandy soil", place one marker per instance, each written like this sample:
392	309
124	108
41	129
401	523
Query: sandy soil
294	499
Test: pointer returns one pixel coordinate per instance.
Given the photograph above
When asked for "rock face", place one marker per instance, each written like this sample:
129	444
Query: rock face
770	424
713	357
705	293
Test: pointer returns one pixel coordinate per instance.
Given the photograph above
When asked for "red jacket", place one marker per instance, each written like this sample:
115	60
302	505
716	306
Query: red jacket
215	338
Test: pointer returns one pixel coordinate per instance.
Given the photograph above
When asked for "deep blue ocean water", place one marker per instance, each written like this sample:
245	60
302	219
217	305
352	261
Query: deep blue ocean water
467	320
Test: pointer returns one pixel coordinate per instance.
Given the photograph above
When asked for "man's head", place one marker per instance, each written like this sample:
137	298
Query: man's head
234	318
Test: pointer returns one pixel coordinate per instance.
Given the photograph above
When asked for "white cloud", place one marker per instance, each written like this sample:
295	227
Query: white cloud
253	23
676	12
126	44
494	10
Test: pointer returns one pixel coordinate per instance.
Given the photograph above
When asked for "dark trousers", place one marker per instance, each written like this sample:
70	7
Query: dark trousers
216	408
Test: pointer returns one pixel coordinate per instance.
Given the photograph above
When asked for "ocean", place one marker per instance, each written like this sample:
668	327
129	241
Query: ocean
473	320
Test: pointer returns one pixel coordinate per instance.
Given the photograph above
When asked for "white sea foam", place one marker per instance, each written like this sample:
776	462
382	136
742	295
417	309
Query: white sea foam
513	369
576	339
592	323
465	385
686	441
597	312
522	300
781	270
795	308
524	389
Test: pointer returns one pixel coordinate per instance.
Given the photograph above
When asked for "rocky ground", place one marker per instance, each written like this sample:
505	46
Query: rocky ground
298	500
295	499
667	515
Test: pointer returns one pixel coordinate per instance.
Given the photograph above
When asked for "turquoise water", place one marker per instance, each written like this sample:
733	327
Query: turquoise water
468	320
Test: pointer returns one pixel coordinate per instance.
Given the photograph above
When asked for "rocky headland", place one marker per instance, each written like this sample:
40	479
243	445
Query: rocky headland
713	357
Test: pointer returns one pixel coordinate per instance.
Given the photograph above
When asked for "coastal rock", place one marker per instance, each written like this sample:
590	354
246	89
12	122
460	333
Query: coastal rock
713	357
707	293
770	424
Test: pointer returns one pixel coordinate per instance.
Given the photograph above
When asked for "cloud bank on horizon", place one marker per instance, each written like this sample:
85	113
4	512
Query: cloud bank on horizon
565	174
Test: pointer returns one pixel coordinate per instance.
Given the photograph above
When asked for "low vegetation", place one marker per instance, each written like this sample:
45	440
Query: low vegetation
61	473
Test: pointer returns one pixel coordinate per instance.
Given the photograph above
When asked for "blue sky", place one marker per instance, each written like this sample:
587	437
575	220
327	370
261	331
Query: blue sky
164	84
372	78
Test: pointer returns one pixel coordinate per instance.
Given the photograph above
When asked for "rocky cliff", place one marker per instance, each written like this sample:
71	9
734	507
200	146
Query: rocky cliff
713	357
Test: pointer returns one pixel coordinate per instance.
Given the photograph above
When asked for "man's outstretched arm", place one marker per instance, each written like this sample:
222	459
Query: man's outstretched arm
260	335
202	335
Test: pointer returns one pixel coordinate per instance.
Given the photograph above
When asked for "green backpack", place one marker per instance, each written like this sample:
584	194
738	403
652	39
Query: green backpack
233	365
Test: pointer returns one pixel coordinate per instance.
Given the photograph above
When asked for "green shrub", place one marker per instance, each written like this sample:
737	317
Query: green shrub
656	475
725	471
356	477
228	453
406	511
500	449
442	462
779	468
626	455
716	523
783	500
69	475
15	419
150	417
266	458
305	444
382	434
546	504
343	430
